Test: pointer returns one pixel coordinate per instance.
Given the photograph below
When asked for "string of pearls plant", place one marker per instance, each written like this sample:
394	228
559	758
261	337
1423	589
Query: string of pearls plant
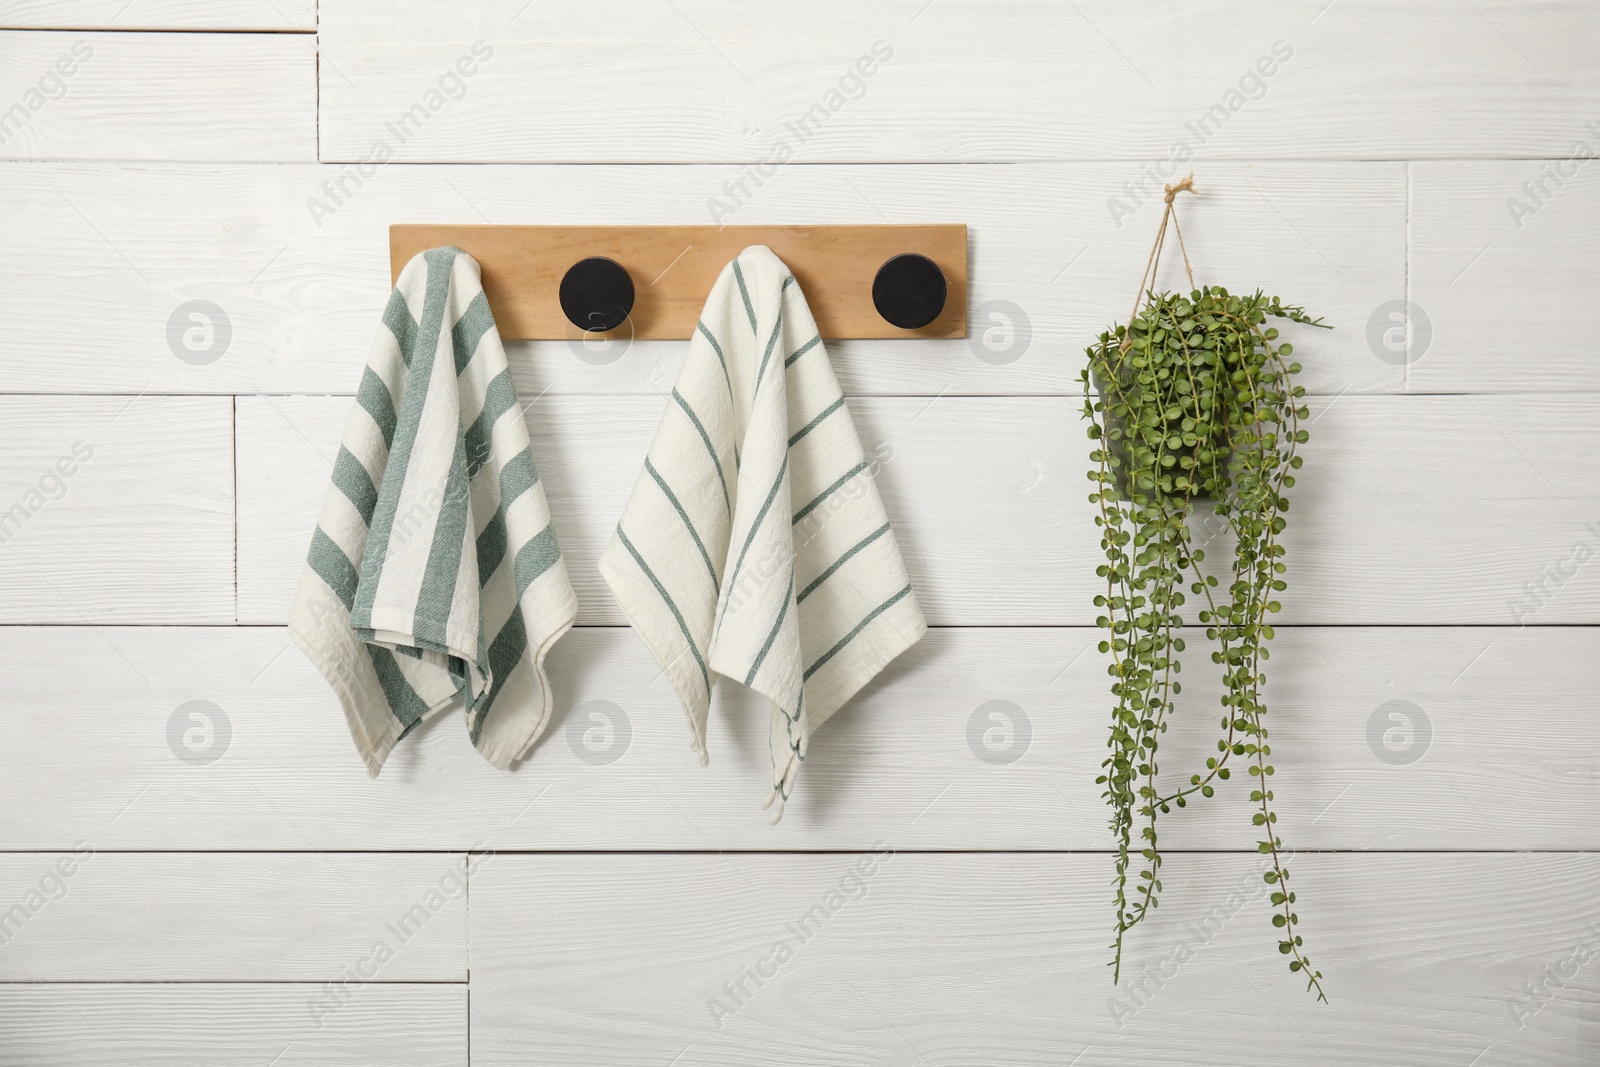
1191	403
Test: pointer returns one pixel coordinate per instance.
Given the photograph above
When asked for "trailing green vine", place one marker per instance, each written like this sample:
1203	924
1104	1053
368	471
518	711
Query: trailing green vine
1191	402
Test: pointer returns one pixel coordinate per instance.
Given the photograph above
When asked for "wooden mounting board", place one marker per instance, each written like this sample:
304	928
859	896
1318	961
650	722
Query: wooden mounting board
674	267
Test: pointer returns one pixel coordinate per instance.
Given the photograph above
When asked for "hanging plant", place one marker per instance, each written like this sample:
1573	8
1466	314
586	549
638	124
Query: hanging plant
1191	403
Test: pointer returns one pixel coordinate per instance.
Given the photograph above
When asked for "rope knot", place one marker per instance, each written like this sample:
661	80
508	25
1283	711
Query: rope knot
1152	265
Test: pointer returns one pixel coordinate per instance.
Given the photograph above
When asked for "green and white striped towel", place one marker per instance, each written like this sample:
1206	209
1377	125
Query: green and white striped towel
754	544
434	573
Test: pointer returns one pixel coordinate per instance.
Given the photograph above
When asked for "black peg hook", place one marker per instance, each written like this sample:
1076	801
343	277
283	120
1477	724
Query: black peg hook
909	291
596	294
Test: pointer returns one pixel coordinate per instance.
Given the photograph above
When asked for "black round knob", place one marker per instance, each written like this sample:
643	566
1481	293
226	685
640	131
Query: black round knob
596	294
909	291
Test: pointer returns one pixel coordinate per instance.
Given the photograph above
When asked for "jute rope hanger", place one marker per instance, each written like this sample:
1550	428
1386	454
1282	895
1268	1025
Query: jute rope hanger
1153	264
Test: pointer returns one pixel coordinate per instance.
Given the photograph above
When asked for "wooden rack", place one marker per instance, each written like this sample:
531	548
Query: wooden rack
858	280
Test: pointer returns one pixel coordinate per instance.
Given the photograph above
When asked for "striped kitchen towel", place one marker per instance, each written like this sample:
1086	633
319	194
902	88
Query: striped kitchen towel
754	544
434	572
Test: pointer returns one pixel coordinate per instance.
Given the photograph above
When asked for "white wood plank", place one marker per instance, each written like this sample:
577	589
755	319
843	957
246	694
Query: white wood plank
91	915
302	292
116	509
1001	959
589	450
707	81
271	15
207	1025
159	96
1425	510
1500	254
1503	749
1446	509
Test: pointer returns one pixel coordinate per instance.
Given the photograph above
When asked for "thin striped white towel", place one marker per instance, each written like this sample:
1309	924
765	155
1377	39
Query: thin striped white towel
434	573
754	544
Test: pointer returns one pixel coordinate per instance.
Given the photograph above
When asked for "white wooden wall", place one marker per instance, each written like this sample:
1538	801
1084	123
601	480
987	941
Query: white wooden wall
247	896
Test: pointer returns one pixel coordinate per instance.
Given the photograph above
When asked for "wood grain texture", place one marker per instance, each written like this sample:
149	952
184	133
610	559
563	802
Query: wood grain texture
1410	510
275	16
90	915
116	509
1492	745
674	267
158	96
207	1025
1001	960
707	81
1440	779
296	258
1499	251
